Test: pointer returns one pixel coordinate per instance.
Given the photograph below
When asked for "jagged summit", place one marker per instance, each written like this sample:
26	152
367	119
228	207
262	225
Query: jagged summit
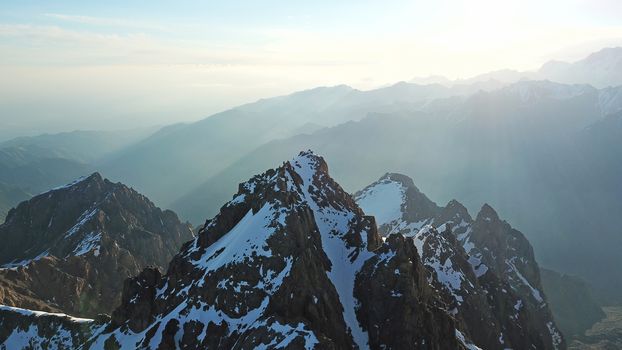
55	221
403	179
487	213
394	197
455	212
290	261
87	236
310	167
95	177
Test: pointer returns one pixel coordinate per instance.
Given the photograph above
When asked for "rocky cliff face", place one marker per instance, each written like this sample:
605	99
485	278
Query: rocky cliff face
572	303
71	248
483	269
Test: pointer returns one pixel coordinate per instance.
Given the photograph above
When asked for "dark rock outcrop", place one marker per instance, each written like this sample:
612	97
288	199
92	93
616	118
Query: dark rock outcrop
572	303
396	299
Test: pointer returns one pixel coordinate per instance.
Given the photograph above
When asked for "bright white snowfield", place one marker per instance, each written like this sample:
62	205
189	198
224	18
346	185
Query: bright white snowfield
383	201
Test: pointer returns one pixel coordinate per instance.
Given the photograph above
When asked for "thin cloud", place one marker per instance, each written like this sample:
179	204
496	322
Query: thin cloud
53	45
104	21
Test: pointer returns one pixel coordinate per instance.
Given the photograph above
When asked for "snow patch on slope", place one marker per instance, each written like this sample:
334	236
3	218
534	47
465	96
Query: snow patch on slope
27	312
462	339
89	242
534	292
444	270
16	264
83	219
246	240
73	183
555	336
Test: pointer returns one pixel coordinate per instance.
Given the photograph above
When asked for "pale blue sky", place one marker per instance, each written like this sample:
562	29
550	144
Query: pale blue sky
90	64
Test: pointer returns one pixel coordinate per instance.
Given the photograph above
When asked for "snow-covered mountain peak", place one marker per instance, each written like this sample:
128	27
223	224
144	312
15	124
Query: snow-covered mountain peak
384	199
475	264
289	260
455	212
397	204
87	236
309	167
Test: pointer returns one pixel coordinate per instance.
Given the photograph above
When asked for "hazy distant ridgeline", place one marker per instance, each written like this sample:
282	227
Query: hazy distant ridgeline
9	196
542	153
447	134
200	150
530	148
600	69
31	165
546	155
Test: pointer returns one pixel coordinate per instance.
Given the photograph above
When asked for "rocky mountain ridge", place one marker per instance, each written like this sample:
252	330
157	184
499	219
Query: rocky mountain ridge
70	249
484	270
293	262
290	262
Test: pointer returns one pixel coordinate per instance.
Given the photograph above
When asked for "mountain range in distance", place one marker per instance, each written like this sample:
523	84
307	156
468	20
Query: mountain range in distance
544	153
600	69
557	178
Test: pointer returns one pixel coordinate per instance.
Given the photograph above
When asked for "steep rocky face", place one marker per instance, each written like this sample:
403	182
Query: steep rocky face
290	262
572	303
71	248
392	306
483	269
